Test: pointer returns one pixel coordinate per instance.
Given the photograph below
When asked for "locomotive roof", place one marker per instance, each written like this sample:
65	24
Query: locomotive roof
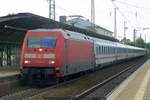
68	34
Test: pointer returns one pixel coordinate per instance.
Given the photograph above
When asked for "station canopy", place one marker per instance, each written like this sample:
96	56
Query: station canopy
14	27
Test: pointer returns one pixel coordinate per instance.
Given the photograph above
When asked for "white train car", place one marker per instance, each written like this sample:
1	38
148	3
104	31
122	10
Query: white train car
135	51
107	52
121	51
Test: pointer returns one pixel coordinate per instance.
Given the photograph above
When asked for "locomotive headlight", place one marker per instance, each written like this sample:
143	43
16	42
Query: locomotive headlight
51	62
40	49
26	61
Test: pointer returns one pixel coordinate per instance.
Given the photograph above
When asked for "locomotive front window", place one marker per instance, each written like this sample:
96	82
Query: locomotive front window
41	42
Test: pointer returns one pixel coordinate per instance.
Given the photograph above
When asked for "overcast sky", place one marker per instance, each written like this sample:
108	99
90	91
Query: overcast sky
135	12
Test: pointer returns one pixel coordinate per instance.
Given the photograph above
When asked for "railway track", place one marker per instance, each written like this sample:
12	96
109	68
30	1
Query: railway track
102	89
78	88
31	93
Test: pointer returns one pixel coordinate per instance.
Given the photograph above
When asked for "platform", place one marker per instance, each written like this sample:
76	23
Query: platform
136	87
8	72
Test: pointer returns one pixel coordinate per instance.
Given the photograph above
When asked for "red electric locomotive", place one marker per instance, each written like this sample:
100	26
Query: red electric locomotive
49	54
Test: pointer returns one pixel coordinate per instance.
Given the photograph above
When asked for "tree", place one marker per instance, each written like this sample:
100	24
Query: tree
140	42
127	41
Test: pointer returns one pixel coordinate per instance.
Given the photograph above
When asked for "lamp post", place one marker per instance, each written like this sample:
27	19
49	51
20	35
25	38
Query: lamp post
139	29
115	21
92	14
145	34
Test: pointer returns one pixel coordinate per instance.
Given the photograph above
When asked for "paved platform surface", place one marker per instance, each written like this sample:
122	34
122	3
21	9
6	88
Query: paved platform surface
136	87
7	72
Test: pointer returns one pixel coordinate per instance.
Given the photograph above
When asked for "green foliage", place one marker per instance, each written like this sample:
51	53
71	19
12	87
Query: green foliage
147	46
139	42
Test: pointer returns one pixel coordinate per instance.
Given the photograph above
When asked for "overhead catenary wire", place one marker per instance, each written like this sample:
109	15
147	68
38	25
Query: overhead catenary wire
132	5
65	10
122	14
72	13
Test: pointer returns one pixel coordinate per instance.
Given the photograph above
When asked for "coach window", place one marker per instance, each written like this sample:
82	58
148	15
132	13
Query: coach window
96	50
105	50
120	50
102	50
99	50
113	50
108	50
